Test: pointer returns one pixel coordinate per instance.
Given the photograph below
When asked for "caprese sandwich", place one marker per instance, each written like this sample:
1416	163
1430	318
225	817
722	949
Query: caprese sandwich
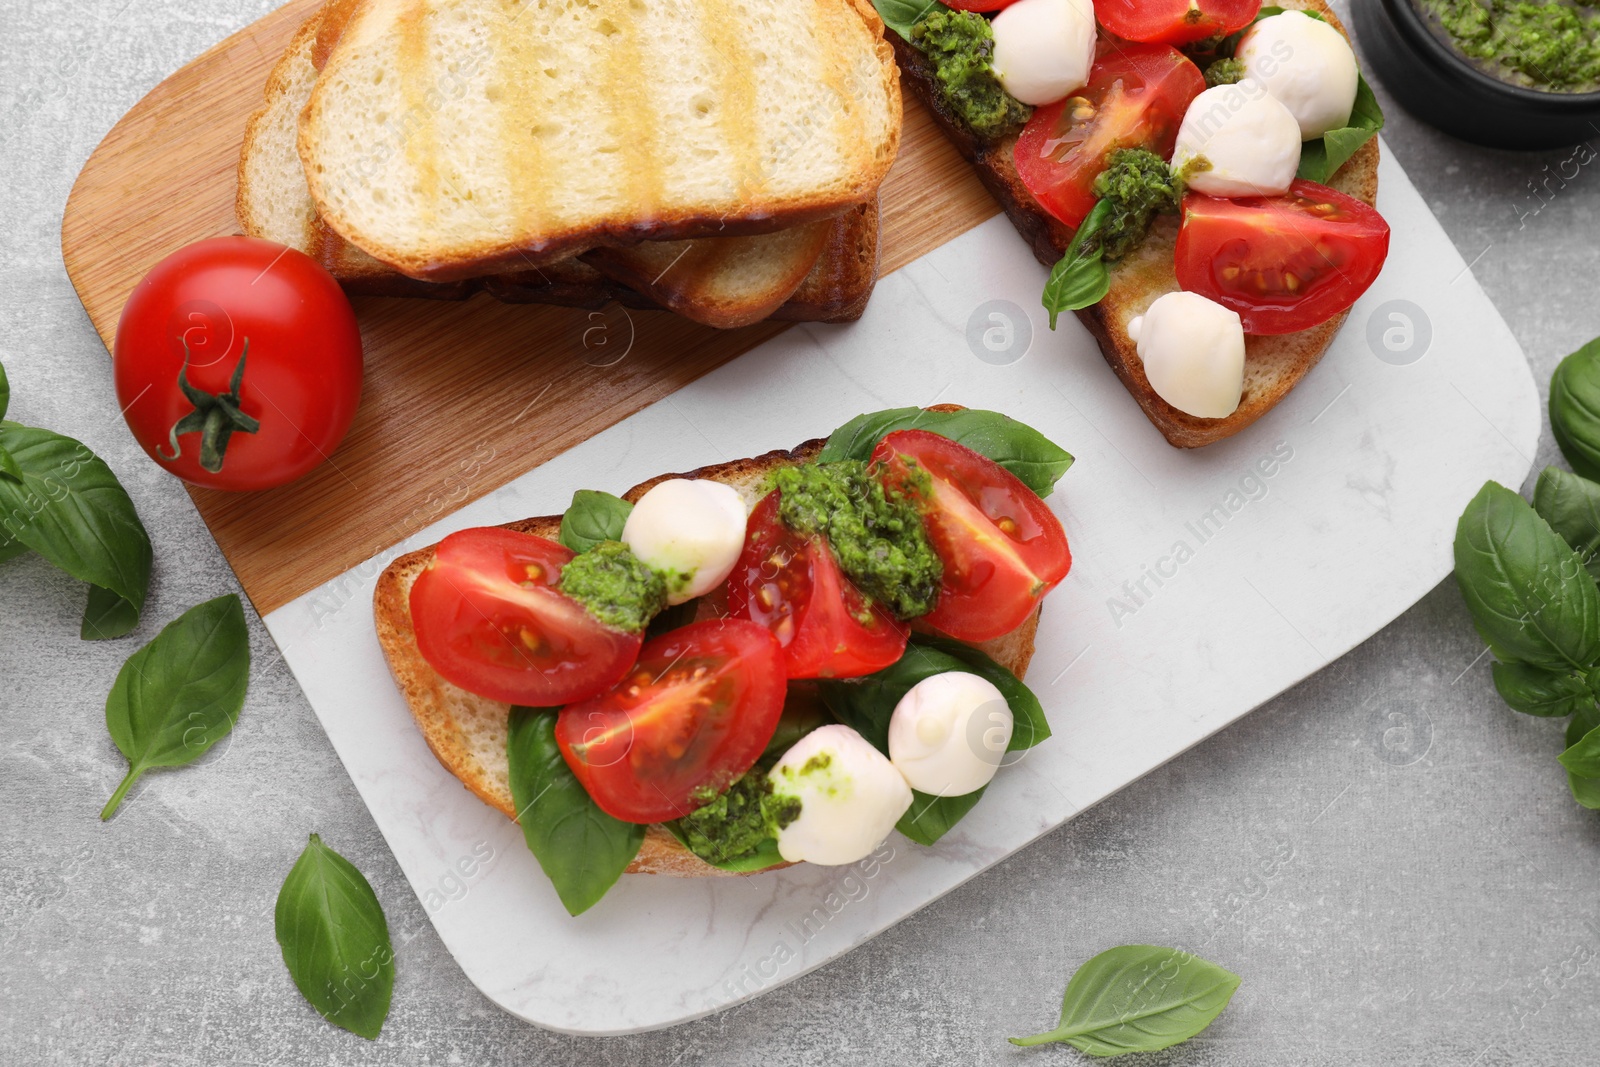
768	661
1200	175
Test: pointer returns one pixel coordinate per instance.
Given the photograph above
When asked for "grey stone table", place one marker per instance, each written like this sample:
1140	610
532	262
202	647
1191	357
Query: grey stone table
1441	911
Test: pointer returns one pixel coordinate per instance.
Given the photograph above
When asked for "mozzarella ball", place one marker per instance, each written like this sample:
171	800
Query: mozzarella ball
690	530
1306	64
1193	353
1237	140
949	733
850	796
1043	49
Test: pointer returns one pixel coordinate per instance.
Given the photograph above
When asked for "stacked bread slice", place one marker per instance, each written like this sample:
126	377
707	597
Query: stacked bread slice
704	156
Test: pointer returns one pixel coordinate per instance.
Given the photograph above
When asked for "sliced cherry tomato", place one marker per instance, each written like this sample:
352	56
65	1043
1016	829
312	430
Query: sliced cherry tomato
792	585
978	5
694	714
1174	21
1002	548
1284	263
1135	98
490	619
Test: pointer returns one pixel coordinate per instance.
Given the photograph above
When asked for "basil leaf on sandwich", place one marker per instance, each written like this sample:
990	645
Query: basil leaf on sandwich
737	829
1080	278
593	517
901	15
764	857
1019	448
582	850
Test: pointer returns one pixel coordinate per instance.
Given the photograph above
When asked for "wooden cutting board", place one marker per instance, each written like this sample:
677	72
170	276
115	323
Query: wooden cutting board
459	398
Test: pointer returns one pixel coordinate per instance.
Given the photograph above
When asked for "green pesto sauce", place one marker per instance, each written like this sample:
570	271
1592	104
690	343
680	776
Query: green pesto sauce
1224	72
615	586
1139	186
1551	45
960	45
735	823
878	539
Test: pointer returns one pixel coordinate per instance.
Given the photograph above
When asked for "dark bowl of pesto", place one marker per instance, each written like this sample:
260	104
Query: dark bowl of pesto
1521	74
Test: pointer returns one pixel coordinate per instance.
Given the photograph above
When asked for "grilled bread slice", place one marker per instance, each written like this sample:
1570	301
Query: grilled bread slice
456	138
735	282
468	733
1273	365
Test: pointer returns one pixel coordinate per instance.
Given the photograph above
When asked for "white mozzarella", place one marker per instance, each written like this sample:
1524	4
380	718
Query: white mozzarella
1043	49
850	796
1305	63
691	530
1237	140
1193	353
949	733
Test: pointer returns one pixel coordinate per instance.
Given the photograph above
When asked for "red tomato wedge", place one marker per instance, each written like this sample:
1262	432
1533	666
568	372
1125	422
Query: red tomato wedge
1135	98
1174	21
978	5
1002	548
694	714
792	585
1284	263
489	618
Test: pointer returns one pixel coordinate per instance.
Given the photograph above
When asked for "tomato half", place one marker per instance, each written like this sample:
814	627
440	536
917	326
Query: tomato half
1284	263
1135	98
1002	548
489	618
1174	21
275	414
792	585
694	714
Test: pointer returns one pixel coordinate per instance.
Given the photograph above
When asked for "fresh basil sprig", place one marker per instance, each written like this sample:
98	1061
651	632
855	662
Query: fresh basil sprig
582	850
593	517
1019	448
1080	278
901	15
1581	736
1139	998
1537	691
1575	409
181	693
335	940
1571	505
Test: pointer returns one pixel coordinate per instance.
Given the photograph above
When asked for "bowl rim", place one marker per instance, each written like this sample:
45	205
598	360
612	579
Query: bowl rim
1412	25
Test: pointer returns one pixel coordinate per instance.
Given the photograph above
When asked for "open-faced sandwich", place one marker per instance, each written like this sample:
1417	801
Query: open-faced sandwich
1199	173
722	163
763	662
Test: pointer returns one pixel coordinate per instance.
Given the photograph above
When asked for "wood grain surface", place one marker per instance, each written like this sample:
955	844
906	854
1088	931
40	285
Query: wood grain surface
459	398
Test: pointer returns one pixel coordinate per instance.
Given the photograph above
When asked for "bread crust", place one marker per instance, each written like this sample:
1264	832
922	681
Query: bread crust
1273	364
453	721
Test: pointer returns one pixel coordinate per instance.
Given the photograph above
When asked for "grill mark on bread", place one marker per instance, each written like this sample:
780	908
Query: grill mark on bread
515	61
736	95
627	84
415	68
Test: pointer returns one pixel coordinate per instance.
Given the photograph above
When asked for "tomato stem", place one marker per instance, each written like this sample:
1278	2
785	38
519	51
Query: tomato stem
216	416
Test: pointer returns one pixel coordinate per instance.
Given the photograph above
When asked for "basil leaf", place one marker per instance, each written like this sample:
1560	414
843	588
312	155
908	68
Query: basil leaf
1080	278
1529	596
593	517
181	693
1139	998
335	940
1575	409
1535	691
930	818
1019	448
1031	726
5	391
765	855
1321	159
1571	505
1586	791
70	508
582	850
866	704
1582	757
10	549
901	15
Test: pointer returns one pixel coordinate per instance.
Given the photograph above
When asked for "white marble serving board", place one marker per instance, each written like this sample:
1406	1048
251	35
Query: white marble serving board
1204	582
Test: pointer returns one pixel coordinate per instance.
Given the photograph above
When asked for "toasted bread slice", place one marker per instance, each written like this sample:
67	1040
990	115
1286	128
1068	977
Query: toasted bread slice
748	278
456	138
1273	365
468	733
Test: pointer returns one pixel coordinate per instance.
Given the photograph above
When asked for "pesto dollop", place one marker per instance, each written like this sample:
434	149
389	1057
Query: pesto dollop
960	45
735	823
1139	185
615	586
1542	44
1224	72
878	539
